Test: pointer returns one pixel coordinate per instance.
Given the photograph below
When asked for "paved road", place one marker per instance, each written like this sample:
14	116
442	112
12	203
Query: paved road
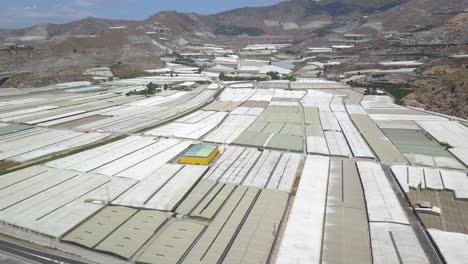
9	258
34	255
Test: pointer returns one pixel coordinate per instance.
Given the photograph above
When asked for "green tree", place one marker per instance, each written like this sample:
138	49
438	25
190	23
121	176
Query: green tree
222	76
274	75
151	88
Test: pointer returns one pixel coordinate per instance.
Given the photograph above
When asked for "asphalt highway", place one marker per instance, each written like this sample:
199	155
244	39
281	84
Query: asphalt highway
34	255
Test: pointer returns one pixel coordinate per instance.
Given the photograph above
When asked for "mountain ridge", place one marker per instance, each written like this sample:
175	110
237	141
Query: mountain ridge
292	15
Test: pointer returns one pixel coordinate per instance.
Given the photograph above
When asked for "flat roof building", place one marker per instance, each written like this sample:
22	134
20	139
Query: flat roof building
199	155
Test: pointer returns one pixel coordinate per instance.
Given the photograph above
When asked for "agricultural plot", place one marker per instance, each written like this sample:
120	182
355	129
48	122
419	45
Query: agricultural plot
265	95
133	157
251	167
234	125
255	104
150	112
432	178
277	127
104	112
119	231
330	198
346	216
329	121
236	95
379	102
380	144
403	116
300	244
243	220
52	201
383	109
178	236
452	245
162	79
193	126
316	140
329	128
421	150
163	189
461	154
276	84
403	125
22	143
56	110
205	199
288	95
355	140
394	242
318	99
312	83
382	203
449	133
222	106
337	144
8	104
284	103
445	192
284	188
240	85
158	100
243	229
387	219
10	129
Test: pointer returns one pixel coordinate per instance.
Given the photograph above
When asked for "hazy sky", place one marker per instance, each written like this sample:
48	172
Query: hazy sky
23	13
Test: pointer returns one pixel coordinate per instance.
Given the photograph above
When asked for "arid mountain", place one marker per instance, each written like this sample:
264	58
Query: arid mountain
288	17
446	94
90	42
299	10
298	16
87	26
415	15
84	27
180	23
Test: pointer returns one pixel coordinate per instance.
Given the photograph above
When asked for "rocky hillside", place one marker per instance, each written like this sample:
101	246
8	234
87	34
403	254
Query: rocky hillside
415	15
180	24
446	94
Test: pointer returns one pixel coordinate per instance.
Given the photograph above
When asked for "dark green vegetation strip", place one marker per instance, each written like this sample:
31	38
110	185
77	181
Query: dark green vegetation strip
341	7
235	30
124	71
397	91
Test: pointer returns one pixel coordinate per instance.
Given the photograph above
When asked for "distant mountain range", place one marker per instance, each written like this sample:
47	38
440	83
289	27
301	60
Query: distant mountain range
289	17
61	52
